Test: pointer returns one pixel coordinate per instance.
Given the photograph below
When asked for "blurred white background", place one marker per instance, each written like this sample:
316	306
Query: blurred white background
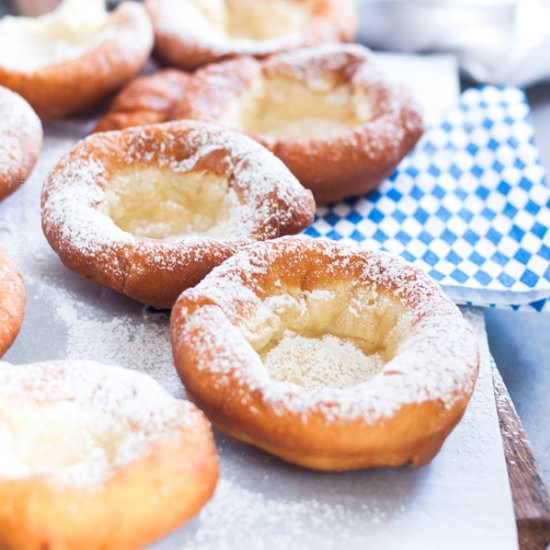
499	41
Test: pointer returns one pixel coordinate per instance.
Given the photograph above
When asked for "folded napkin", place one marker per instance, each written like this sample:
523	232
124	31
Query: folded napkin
469	205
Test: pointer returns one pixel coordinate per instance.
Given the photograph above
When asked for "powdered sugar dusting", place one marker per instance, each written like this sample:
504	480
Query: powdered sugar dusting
30	43
20	137
140	344
272	200
377	121
433	354
317	362
199	24
78	422
371	91
75	29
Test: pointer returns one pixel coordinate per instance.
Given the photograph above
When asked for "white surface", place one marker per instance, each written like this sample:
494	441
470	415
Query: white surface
462	500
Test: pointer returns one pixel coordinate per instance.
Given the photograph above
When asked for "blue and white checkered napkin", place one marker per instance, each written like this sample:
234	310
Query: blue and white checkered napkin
470	205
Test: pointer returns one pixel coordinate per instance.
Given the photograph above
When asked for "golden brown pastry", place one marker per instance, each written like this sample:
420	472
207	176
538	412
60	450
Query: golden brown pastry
145	100
20	141
195	32
326	112
12	300
326	355
149	211
97	457
67	61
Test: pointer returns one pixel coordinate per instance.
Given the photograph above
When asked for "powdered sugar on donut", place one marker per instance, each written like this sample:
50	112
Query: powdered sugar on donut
20	138
206	24
75	29
271	199
435	356
326	111
77	422
358	69
317	362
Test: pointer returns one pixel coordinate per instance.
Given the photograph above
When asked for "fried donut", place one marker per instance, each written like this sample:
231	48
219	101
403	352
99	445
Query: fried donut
12	301
149	211
66	61
20	141
326	355
97	457
145	100
196	32
325	112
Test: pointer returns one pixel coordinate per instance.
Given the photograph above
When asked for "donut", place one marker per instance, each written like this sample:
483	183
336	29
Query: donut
326	112
196	32
12	301
20	141
67	61
326	355
149	211
145	100
97	457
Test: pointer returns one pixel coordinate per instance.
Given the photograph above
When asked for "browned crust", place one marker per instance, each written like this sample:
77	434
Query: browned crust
152	271
23	137
355	162
139	504
12	300
331	21
73	86
145	100
201	323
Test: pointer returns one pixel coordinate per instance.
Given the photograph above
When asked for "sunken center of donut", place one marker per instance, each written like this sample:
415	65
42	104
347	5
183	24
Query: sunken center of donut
285	108
29	43
333	338
255	19
162	204
64	439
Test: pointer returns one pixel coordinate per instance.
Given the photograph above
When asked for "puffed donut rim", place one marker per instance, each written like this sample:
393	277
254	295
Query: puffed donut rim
333	20
20	141
401	415
156	271
74	85
351	163
140	500
12	301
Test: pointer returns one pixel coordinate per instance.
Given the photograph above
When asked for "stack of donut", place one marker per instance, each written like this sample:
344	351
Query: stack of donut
189	195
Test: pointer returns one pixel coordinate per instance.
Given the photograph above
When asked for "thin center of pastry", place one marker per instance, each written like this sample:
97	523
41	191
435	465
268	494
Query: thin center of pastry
30	43
255	19
284	108
62	438
322	361
162	204
327	338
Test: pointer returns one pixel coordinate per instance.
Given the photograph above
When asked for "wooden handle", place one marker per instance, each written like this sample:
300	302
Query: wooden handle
530	494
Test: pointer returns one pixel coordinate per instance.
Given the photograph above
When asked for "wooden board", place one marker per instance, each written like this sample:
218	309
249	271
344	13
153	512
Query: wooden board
529	491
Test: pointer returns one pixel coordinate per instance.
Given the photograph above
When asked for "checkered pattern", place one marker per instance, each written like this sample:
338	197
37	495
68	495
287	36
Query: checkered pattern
469	205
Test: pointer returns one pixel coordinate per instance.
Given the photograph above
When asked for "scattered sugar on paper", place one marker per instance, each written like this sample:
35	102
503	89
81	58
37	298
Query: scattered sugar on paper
142	345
